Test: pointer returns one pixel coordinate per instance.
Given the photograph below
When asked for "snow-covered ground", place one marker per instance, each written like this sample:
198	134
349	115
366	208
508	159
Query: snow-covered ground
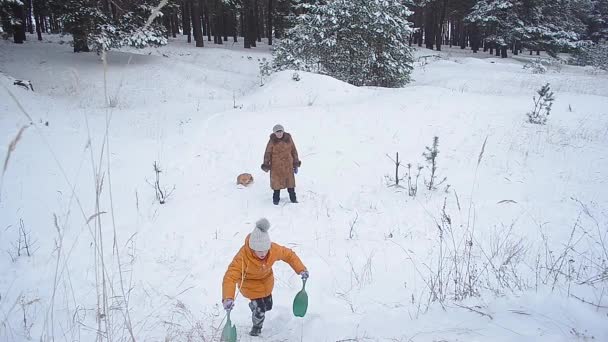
523	223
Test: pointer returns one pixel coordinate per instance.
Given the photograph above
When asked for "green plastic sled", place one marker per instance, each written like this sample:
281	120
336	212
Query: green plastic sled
300	302
229	331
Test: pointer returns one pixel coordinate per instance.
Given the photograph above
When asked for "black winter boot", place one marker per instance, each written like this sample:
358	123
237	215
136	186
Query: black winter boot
276	196
292	195
255	331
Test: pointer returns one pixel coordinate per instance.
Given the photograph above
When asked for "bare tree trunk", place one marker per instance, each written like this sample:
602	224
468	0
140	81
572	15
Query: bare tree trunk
270	9
463	35
245	25
196	22
441	8
253	23
105	6
207	19
186	15
80	41
474	37
19	26
225	23
429	26
37	18
259	22
28	16
217	23
175	23
186	18
235	29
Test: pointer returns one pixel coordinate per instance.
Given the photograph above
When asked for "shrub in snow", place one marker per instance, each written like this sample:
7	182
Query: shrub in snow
295	76
265	70
595	55
362	42
431	158
542	105
536	66
162	193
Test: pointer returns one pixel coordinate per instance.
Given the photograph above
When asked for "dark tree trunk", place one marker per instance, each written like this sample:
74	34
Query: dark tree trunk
19	26
235	29
28	16
253	23
167	23
37	18
249	24
5	20
245	19
207	19
105	6
270	14
419	22
538	52
186	18
503	51
49	26
42	15
225	24
463	36
196	22
204	19
497	54
474	37
80	41
242	21
114	9
175	23
217	24
186	15
429	25
259	22
439	23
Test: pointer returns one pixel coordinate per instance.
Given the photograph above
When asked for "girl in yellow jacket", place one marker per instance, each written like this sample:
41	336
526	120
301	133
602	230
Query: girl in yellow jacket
251	270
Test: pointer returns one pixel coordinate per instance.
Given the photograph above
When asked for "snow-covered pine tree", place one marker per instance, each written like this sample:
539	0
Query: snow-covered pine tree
500	19
362	42
13	19
551	26
90	25
598	21
592	54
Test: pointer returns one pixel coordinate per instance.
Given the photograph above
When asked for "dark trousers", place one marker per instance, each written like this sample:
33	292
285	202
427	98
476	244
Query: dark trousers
258	310
276	196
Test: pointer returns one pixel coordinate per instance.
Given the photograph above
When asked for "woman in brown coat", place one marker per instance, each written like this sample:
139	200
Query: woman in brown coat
281	159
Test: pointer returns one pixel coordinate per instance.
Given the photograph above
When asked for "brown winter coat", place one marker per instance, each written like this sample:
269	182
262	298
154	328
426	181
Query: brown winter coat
253	275
280	158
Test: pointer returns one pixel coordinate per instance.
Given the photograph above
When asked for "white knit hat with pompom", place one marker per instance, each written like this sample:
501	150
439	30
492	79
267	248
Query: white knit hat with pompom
259	240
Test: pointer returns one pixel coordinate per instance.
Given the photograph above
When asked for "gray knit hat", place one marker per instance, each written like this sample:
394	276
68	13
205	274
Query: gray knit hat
259	240
277	128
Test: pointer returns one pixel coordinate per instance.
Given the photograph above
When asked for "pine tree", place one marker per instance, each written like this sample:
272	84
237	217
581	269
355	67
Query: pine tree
362	42
501	21
92	24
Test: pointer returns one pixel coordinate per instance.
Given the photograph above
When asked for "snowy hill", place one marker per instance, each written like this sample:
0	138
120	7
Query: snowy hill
520	221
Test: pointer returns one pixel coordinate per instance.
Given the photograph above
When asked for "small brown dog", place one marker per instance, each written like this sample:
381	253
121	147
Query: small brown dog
244	179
